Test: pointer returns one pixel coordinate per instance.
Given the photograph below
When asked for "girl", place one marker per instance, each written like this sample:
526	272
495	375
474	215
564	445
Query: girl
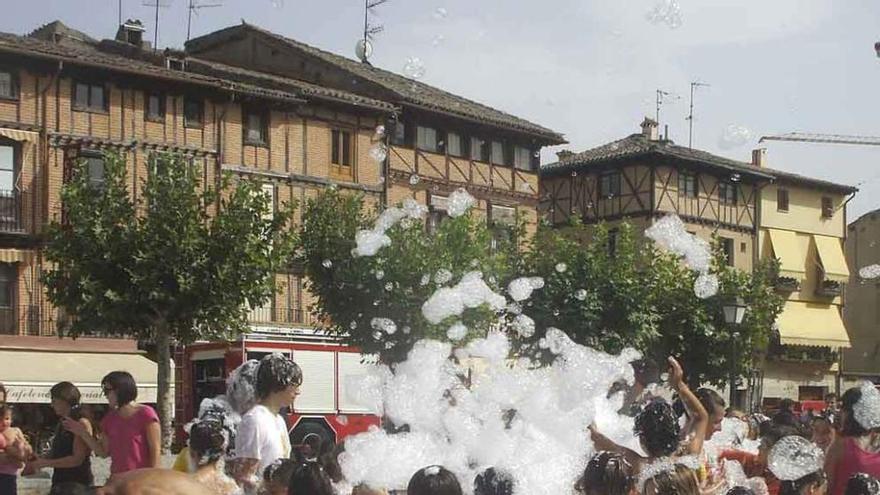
70	456
433	480
15	451
674	480
857	448
607	473
130	430
207	448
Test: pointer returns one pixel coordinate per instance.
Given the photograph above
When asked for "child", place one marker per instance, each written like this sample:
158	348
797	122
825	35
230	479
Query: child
607	473
822	431
433	480
276	476
14	451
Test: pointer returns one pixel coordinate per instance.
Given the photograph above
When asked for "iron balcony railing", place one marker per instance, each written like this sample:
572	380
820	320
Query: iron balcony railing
11	210
280	315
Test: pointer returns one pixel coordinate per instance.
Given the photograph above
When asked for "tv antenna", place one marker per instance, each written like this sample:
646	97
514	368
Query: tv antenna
690	117
364	47
193	8
157	4
663	96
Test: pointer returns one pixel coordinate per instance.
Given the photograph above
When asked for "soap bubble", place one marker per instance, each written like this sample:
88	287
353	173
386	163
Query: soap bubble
580	295
870	272
669	233
734	136
414	179
379	152
666	12
386	325
442	276
438	40
414	68
459	203
561	267
389	286
521	289
379	133
440	13
524	326
327	263
867	409
794	457
380	274
457	331
706	285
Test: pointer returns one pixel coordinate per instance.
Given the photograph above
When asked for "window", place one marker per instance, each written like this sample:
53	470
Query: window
782	199
727	249
827	207
7	285
340	153
7	168
399	137
193	112
497	153
687	185
612	242
426	138
479	150
454	144
727	193
94	168
437	213
8	84
522	158
256	127
90	97
155	107
502	223
609	185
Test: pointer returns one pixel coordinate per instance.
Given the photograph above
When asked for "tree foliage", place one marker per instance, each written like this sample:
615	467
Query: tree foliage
177	264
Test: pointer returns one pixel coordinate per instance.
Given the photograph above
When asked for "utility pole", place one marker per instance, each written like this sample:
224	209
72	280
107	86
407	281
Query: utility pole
690	117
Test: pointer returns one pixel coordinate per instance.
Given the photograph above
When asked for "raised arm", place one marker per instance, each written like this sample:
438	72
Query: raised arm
696	411
601	442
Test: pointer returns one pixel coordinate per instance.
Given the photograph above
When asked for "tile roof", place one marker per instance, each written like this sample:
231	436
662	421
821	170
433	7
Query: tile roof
408	91
637	145
112	55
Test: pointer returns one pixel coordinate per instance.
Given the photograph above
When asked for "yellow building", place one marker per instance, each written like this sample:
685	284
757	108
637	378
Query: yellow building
755	211
803	224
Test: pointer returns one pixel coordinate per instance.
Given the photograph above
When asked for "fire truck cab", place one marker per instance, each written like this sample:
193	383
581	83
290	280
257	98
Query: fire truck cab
324	407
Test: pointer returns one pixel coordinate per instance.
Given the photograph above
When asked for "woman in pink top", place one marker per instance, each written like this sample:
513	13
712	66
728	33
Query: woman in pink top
857	448
130	430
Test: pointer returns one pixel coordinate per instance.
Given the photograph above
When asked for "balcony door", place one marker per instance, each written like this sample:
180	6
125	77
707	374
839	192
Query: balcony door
8	188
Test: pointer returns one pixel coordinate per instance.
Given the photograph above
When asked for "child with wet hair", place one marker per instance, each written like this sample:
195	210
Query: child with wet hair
657	426
676	480
797	464
862	484
14	451
822	431
276	476
308	478
493	482
207	449
433	480
607	473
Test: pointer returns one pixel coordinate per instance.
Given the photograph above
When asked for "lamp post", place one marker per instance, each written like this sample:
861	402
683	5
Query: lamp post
734	311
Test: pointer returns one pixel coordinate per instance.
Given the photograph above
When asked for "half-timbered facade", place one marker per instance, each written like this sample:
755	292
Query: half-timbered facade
437	141
643	177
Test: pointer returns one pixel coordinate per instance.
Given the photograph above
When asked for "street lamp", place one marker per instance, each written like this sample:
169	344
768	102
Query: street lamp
734	310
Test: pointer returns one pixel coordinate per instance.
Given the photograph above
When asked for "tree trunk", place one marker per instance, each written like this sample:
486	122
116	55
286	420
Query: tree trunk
163	394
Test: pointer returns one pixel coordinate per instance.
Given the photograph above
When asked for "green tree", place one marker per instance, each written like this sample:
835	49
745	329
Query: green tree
351	291
179	264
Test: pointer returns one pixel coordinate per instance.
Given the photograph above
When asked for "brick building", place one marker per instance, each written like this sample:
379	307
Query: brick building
240	100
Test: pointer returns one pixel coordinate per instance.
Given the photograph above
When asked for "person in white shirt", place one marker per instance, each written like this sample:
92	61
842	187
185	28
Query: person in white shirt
262	435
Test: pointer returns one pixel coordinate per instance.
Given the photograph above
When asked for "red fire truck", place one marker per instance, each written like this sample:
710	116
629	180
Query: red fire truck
324	407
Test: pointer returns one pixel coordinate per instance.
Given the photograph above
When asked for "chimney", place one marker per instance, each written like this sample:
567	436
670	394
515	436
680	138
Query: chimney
759	157
132	33
564	154
650	129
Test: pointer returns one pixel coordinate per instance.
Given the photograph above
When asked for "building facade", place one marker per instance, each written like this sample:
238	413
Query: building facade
66	98
862	311
643	177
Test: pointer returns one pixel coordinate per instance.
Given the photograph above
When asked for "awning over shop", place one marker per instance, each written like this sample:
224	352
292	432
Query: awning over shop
832	258
16	256
802	323
785	247
28	375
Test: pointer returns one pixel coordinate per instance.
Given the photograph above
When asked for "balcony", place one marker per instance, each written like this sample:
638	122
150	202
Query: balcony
280	316
829	288
27	320
11	211
787	284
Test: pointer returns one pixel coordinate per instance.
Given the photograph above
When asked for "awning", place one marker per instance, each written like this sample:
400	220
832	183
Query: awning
810	324
791	257
832	258
28	375
19	135
16	256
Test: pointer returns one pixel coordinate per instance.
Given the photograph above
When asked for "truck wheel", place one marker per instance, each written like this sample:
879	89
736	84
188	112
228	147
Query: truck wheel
308	427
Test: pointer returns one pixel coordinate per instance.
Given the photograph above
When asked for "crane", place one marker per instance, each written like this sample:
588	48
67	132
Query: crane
823	138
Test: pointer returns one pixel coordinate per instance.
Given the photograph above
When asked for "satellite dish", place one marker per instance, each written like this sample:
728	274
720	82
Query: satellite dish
363	49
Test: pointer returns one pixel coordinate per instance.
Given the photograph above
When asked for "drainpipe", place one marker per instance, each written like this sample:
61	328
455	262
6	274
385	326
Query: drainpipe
838	383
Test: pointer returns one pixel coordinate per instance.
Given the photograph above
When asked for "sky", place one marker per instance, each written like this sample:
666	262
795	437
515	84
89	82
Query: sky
590	68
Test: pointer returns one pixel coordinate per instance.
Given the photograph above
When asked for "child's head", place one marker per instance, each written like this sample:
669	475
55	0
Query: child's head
681	480
715	406
607	473
5	416
814	483
657	428
770	434
740	490
433	480
278	375
276	476
798	465
822	431
207	442
493	482
862	484
308	478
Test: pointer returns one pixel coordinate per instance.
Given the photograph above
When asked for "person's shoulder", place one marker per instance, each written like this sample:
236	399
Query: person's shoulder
147	412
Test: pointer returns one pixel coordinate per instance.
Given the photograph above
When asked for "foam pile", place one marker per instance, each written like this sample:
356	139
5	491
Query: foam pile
669	233
369	242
